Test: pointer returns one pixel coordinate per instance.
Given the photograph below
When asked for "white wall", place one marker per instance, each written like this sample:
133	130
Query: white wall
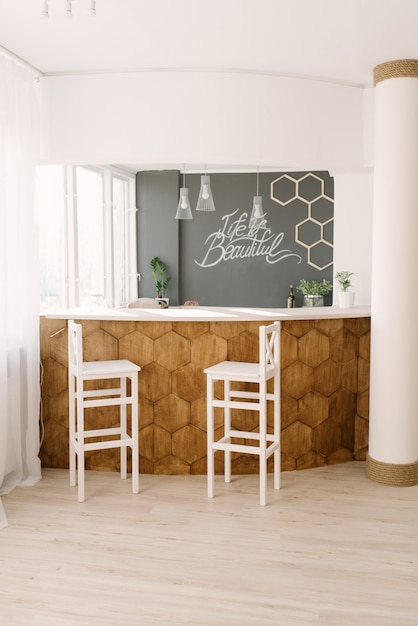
353	193
229	119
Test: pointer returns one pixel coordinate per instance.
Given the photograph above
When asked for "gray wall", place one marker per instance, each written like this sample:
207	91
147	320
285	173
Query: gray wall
157	230
217	264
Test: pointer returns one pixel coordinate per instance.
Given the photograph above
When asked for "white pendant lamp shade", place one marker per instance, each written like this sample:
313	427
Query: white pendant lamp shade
257	216
184	211
205	200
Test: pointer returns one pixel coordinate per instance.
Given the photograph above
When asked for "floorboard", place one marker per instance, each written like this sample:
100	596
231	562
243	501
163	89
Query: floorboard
331	547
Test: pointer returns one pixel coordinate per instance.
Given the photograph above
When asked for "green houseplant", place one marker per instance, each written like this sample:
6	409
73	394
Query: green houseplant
314	291
345	297
344	279
158	272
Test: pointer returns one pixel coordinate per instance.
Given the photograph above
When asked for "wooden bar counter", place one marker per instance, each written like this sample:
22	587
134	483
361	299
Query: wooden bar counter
325	381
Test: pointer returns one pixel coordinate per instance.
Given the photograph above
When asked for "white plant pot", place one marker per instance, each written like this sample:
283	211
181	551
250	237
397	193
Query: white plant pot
346	299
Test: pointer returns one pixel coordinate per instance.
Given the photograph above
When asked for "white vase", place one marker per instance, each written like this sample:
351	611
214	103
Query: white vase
346	299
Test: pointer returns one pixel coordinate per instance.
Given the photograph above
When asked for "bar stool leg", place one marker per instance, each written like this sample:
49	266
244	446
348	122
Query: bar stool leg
134	435
210	435
227	431
123	433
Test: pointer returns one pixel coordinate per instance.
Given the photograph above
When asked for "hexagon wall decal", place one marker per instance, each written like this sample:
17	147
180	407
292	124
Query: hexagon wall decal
315	232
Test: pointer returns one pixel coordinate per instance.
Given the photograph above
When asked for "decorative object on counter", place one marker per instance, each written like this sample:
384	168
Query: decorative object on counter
257	216
161	281
184	212
147	303
345	297
205	201
291	299
191	303
314	291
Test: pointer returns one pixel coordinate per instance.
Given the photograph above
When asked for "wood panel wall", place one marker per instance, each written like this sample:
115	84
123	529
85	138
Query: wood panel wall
325	390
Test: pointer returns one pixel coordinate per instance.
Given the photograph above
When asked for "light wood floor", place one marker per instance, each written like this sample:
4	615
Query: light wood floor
330	548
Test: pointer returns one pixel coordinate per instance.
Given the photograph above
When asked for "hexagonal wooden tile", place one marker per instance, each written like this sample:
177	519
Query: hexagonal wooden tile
313	348
171	412
297	439
189	444
243	347
154	382
191	330
343	405
363	375
327	377
116	329
313	409
136	347
55	377
227	330
171	465
189	382
288	349
289	410
59	347
363	404
298	328
100	346
329	327
327	438
154	442
208	349
297	379
171	350
153	329
198	413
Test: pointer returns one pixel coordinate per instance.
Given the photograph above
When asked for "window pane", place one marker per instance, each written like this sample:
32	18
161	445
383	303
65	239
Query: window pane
120	251
90	228
52	242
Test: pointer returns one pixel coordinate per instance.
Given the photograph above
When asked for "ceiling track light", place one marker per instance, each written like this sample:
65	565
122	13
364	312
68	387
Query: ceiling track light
45	9
68	10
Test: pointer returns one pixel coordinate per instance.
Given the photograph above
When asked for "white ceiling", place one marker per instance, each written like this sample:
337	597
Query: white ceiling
333	40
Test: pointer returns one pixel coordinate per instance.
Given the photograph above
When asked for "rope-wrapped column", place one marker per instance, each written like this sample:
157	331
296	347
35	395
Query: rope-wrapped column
393	435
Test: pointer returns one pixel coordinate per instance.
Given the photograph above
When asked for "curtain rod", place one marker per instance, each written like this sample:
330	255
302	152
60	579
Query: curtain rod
21	61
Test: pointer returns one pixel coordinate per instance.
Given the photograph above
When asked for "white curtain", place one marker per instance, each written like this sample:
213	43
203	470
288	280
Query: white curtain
19	282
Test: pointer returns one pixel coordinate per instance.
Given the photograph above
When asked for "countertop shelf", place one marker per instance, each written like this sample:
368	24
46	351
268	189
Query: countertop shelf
208	313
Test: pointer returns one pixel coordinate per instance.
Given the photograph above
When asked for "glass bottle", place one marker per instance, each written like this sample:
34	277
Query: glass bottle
291	298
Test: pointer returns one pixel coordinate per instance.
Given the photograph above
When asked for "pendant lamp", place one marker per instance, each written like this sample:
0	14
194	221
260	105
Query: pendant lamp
184	211
257	216
205	200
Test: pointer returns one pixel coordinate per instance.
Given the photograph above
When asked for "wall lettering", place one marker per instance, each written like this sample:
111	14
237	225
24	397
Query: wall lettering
237	240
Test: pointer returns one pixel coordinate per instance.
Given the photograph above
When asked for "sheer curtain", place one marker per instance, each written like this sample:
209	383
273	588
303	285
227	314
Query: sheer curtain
19	283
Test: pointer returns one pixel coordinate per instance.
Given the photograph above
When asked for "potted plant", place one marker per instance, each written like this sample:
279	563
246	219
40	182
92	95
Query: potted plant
314	291
345	297
161	281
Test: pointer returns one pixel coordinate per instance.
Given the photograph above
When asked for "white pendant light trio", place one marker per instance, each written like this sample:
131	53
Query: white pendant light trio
204	203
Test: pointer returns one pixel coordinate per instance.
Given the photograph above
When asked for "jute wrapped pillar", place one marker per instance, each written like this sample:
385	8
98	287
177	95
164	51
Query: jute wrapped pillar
393	436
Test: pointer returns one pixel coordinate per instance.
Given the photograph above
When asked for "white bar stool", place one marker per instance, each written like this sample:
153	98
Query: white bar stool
229	372
80	399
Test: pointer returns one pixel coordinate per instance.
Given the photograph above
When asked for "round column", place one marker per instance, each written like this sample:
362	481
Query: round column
393	433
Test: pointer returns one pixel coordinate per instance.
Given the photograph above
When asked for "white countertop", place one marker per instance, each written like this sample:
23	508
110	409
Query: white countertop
208	313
